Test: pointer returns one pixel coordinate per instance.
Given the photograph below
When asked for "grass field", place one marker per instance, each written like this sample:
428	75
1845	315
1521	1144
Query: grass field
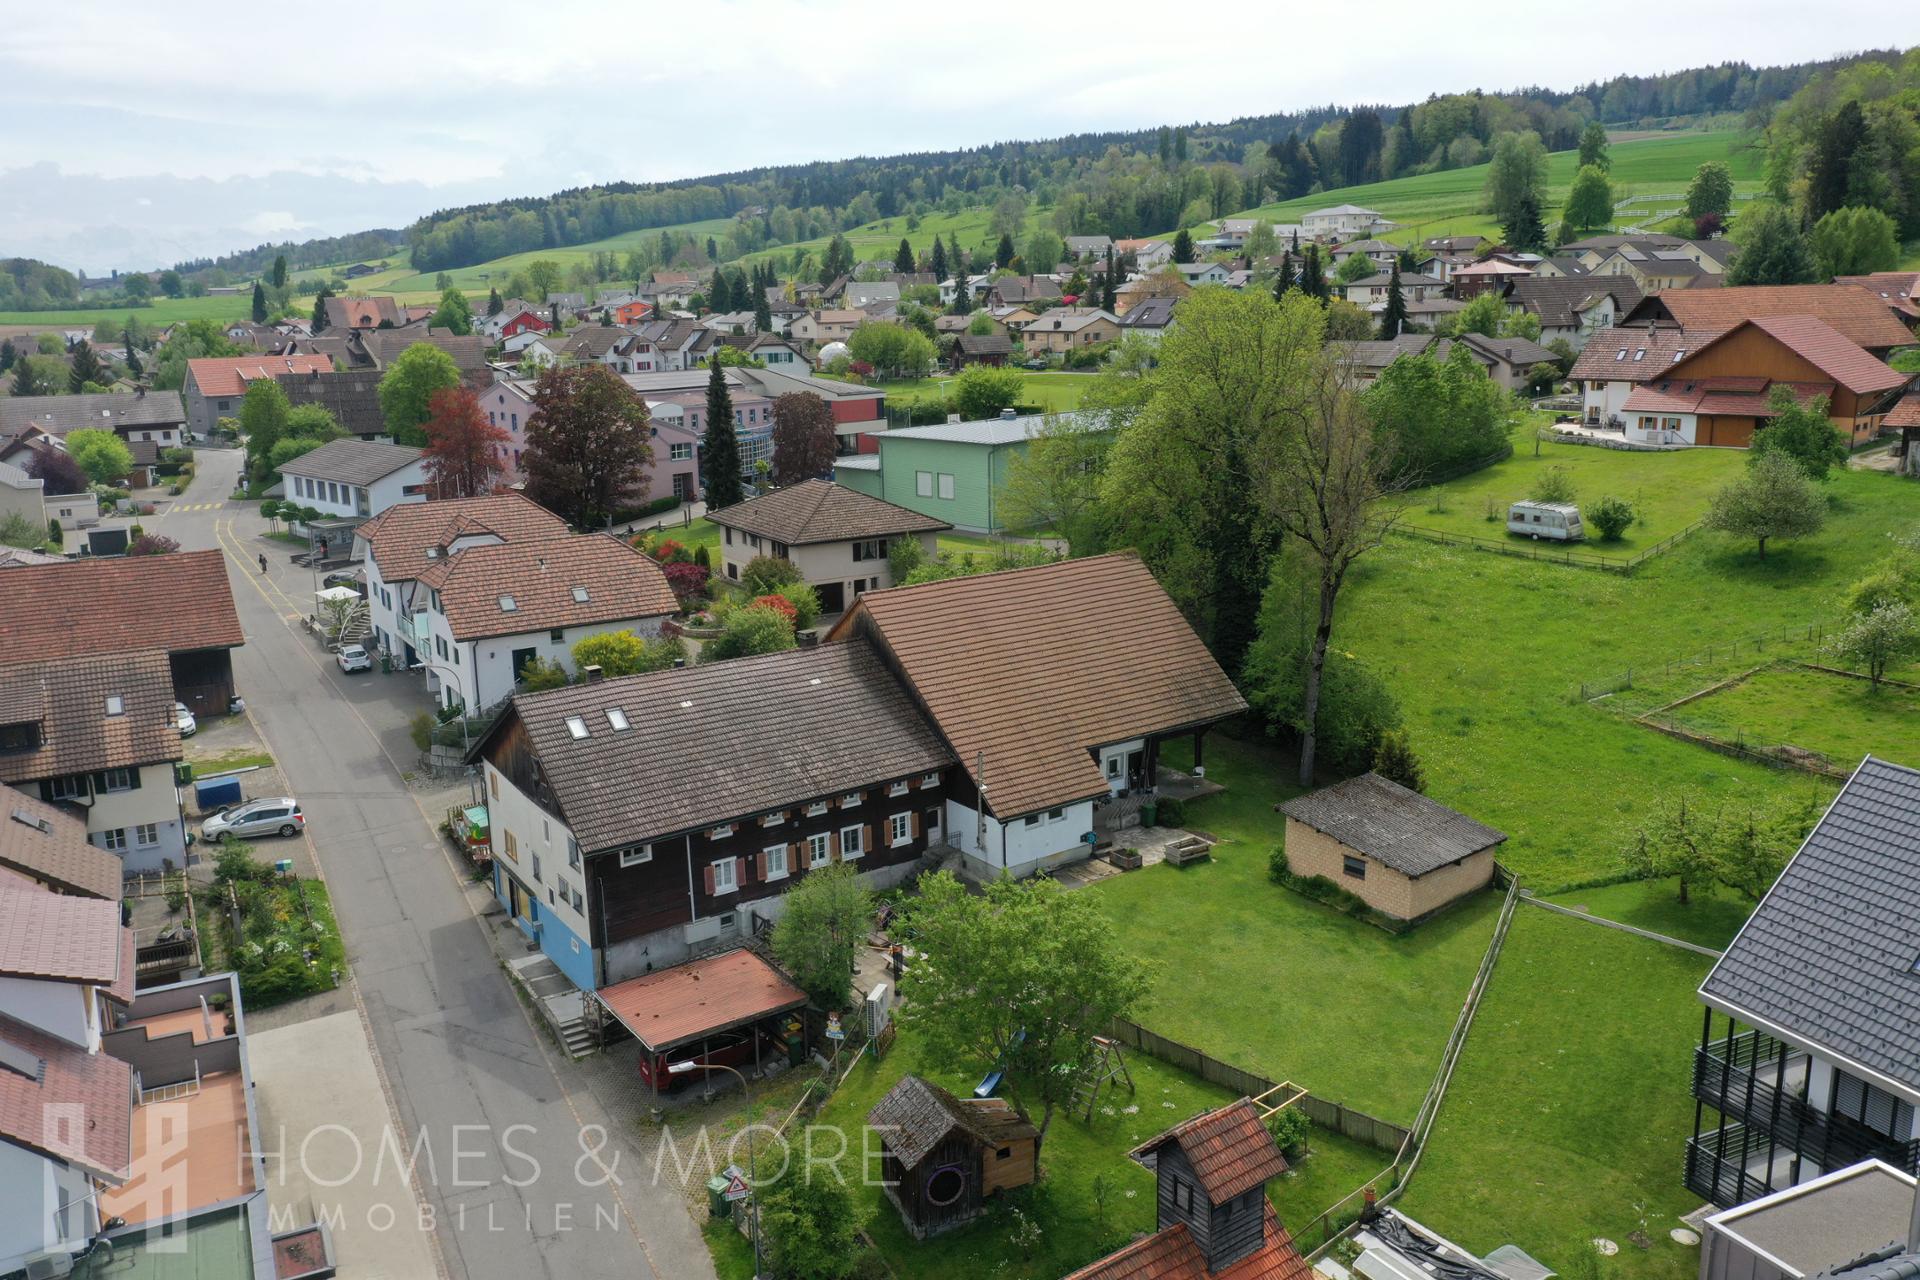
1448	203
1485	654
1568	1115
164	311
1668	490
1062	1203
1788	705
1262	978
1053	392
1706	920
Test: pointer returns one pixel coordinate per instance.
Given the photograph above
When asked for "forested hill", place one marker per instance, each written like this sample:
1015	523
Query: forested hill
1117	183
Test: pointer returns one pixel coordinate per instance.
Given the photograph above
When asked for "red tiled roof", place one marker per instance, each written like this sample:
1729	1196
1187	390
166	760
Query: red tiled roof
51	847
177	603
75	1106
1173	1254
1229	1148
700	997
1024	668
1738	397
80	730
1608	355
229	375
1907	412
1899	289
1862	317
58	937
400	537
545	580
1828	350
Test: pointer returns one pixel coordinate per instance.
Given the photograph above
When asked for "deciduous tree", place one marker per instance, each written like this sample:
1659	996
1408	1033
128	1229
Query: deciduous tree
1711	191
1772	250
1772	499
1884	635
822	921
1593	146
454	312
406	389
804	439
1020	977
1854	242
1802	431
103	455
465	454
1516	174
1055	483
1590	199
587	444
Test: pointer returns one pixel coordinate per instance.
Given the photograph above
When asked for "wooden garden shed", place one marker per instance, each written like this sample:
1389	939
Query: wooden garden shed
942	1156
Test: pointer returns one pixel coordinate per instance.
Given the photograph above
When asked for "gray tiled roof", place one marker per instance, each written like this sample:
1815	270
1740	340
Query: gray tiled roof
725	741
1829	956
816	511
353	461
1387	822
109	411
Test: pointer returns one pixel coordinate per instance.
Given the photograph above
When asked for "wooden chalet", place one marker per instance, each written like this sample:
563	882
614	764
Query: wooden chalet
942	1157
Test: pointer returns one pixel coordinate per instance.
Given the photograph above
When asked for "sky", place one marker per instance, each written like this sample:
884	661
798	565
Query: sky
141	134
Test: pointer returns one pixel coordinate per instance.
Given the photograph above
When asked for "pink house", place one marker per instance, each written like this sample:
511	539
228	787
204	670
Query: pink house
674	470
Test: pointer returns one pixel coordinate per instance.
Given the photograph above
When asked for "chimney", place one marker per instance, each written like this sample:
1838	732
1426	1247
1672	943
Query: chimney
954	417
593	673
140	391
1008	414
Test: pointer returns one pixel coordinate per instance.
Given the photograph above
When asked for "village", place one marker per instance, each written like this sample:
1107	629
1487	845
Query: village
1373	733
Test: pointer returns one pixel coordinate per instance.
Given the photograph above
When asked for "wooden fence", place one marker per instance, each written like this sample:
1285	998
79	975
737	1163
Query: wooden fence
1728	651
1548	552
1383	1135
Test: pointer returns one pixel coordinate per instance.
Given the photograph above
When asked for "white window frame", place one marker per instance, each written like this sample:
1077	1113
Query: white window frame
819	850
817	808
117	779
146	834
114	840
853	850
773	819
897	788
946	486
721	832
636	857
727	870
771	852
900	830
929	779
923	484
851	800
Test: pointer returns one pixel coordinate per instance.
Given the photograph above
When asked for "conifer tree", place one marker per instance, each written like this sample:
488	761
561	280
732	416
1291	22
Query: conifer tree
1003	253
903	257
1284	283
85	368
259	303
319	322
939	261
134	367
1313	281
495	303
720	448
1394	318
1182	246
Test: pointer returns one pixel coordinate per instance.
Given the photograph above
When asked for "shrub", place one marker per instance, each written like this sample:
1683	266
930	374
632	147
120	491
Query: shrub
780	605
904	555
1555	484
1612	517
542	673
1393	758
1290	1127
750	631
689	581
233	863
766	574
420	729
1170	812
702	557
669	551
804	601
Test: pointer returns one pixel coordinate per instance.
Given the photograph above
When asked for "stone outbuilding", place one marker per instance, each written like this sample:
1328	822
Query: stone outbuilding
1402	854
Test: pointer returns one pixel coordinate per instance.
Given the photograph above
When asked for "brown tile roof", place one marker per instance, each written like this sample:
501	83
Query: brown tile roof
710	744
546	580
1173	1254
1900	290
352	396
700	997
362	313
1907	412
1609	354
229	375
58	937
1862	316
1391	823
68	696
49	846
401	536
468	351
1555	298
120	605
1229	1148
1823	347
1030	668
1735	396
38	1106
821	511
916	1114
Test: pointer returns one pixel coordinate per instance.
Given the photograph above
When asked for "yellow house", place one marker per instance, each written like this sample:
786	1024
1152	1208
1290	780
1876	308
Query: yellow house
1402	854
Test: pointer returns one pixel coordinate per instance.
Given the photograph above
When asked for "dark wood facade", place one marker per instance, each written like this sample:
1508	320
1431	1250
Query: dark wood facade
1225	1232
203	679
942	1191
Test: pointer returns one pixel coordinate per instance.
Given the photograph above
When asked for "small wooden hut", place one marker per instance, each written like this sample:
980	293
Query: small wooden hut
942	1156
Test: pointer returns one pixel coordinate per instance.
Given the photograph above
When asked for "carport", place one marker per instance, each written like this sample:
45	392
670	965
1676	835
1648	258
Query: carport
677	1012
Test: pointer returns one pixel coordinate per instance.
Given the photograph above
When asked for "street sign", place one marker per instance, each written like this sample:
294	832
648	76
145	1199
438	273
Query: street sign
834	1030
736	1188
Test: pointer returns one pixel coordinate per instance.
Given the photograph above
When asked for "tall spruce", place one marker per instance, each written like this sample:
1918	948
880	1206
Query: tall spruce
939	261
1393	319
1285	282
84	368
279	276
1182	246
762	311
134	368
1313	280
903	257
720	447
1003	252
319	322
1110	285
1524	229
495	303
259	303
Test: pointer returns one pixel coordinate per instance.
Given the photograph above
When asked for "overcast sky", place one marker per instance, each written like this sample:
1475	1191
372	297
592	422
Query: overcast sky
138	134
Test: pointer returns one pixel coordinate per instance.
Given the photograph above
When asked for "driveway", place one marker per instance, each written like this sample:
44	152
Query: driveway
513	1154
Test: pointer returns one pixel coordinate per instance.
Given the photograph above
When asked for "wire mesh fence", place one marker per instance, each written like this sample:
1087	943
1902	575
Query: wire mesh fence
1657	676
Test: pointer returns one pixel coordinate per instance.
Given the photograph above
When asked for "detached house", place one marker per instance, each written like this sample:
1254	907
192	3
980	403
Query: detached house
1065	329
1809	1054
154	418
363	313
215	385
349	481
491	610
98	734
838	538
1371	291
1343	222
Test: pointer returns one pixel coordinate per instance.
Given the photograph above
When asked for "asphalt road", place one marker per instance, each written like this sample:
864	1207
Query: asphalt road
509	1161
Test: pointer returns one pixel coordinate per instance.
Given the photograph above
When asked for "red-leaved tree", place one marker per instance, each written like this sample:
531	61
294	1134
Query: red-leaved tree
58	469
804	441
689	582
587	444
464	451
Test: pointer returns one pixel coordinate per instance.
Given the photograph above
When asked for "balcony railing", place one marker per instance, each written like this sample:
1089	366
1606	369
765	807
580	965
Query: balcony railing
1739	1078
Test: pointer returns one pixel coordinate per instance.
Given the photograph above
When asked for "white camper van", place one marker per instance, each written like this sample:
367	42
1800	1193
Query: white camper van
1559	521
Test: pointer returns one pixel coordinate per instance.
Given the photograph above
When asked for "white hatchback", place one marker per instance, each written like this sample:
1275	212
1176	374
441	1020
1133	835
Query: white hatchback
354	657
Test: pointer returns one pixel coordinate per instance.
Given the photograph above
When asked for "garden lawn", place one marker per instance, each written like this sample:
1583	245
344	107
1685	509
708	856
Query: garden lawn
1568	1114
1707	920
1048	391
1265	979
1669	491
1062	1202
1485	654
1840	717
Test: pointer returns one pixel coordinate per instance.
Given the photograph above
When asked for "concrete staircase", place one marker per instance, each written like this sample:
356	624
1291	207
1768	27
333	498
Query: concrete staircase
562	1004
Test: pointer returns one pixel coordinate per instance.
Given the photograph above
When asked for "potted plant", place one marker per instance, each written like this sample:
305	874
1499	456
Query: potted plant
1126	859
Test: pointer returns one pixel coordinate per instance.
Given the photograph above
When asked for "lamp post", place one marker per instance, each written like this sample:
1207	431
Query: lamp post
746	1090
458	684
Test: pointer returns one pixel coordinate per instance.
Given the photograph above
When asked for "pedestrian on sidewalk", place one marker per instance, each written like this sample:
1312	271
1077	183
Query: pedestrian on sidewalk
263	562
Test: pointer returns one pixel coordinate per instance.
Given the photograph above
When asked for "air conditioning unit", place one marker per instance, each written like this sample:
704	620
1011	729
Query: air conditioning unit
879	1010
49	1266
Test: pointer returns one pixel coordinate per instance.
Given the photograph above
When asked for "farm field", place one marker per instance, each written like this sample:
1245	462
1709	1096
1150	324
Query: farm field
1785	704
164	311
879	240
1668	490
1447	203
481	277
1265	979
1486	653
1568	1114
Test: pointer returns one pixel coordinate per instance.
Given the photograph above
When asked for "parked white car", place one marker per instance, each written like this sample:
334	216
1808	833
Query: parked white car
184	721
277	816
354	657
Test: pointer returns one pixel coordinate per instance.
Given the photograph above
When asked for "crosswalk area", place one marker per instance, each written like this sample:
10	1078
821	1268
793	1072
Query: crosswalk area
196	506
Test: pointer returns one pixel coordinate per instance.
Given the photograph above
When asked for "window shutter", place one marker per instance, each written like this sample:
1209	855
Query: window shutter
866	839
99	781
709	874
833	846
796	856
916	824
133	776
757	868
